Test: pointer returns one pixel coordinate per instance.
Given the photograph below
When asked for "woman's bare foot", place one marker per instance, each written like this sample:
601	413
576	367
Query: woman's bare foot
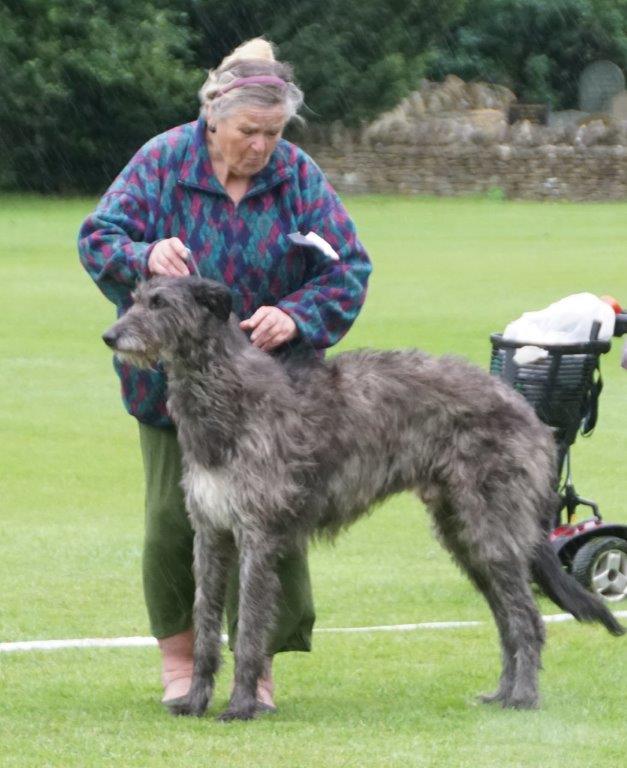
177	657
265	687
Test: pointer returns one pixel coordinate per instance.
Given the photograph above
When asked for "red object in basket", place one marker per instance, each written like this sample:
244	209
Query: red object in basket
613	303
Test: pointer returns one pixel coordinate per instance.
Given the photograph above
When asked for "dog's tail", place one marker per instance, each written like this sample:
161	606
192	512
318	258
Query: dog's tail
566	592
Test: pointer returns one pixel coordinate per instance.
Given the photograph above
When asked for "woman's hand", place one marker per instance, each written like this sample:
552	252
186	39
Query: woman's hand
270	328
169	257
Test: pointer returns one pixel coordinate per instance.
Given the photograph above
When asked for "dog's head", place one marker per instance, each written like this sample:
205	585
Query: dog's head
167	312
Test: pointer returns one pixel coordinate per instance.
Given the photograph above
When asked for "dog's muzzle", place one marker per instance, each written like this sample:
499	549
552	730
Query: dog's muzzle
110	338
129	348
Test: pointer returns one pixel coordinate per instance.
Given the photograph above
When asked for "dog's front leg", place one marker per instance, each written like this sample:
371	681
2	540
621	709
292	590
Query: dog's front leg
258	592
214	551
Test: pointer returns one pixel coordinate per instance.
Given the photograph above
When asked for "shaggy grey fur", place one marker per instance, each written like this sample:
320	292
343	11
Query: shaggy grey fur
274	453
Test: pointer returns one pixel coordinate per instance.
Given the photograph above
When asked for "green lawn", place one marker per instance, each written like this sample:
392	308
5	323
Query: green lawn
447	273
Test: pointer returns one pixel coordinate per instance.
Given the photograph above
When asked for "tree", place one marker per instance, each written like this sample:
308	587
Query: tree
84	84
538	48
353	58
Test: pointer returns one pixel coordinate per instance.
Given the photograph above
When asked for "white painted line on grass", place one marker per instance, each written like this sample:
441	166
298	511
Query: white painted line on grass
557	617
130	642
403	627
85	642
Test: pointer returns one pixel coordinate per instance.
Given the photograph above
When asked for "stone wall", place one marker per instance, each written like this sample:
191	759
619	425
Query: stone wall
454	138
532	173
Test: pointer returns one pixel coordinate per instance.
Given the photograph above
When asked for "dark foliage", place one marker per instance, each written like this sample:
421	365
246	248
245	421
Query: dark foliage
83	83
538	48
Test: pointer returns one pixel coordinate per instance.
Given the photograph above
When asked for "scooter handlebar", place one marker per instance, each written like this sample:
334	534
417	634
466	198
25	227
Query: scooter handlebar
620	328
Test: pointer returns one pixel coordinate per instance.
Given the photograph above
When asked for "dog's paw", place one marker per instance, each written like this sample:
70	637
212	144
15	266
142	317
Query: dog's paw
529	701
240	713
193	704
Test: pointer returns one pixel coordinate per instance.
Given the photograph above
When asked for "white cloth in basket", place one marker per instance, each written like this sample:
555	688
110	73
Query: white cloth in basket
568	321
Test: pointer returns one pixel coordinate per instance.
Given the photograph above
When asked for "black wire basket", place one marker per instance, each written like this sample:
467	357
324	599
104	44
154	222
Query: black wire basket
563	387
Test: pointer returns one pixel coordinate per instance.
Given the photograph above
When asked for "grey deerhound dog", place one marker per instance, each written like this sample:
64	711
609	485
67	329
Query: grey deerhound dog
274	453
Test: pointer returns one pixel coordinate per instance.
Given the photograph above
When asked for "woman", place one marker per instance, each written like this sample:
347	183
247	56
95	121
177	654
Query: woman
220	196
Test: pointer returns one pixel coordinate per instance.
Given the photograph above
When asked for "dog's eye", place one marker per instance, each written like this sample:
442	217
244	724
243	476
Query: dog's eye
157	302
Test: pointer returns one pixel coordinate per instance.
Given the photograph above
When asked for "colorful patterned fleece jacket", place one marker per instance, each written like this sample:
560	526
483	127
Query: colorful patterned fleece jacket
169	189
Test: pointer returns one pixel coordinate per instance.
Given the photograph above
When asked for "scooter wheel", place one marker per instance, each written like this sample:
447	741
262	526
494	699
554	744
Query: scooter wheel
601	566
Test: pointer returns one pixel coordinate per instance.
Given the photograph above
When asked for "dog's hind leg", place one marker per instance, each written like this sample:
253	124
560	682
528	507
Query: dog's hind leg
508	650
521	632
503	581
214	551
258	594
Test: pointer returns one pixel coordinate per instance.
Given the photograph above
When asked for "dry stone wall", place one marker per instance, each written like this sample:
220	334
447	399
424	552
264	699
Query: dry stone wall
533	173
454	139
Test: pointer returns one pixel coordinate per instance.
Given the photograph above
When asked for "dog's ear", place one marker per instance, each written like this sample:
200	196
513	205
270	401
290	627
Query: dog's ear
216	297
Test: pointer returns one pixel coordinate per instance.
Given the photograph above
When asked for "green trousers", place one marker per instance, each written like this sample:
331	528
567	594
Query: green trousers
167	558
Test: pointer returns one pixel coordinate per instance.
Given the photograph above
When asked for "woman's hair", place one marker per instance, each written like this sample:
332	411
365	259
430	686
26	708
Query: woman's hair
253	58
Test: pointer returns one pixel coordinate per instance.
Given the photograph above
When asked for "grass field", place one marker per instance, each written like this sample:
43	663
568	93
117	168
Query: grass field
447	273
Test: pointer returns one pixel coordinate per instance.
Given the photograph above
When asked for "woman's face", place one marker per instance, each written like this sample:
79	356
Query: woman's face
245	140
